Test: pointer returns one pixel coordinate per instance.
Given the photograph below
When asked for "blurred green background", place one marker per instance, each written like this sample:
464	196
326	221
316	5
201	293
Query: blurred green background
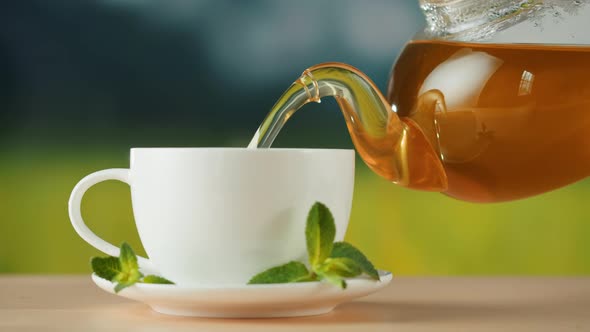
83	81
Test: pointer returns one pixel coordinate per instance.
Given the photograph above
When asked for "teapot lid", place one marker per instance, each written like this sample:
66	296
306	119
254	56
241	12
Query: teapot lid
508	21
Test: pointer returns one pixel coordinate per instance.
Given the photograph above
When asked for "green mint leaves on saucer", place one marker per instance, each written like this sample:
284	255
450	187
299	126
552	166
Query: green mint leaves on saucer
328	260
123	270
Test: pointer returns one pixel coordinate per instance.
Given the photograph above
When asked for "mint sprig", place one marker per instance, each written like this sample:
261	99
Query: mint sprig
329	261
124	270
106	267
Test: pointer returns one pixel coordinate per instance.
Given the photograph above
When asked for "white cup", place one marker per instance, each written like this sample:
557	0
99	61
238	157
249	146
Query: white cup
218	216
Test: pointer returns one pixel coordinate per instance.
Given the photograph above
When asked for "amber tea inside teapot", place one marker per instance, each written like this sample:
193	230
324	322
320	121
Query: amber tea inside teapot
491	102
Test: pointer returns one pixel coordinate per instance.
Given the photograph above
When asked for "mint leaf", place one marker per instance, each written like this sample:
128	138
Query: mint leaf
347	250
129	274
153	279
290	272
320	231
343	267
127	258
106	267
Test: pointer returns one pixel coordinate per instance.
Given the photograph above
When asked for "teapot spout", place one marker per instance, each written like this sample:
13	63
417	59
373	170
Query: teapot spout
393	147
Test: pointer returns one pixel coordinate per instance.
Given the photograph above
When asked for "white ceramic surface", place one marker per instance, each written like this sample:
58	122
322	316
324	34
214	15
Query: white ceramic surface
213	216
247	301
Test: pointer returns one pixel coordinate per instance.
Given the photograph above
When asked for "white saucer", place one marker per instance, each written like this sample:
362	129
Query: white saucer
240	301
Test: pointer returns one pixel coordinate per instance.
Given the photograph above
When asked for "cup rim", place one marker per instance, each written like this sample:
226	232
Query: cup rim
245	149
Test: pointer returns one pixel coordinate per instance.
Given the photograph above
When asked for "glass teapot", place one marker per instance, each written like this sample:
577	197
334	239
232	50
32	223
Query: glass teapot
491	102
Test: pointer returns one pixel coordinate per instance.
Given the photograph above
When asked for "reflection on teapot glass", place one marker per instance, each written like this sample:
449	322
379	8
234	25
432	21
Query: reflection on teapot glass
481	122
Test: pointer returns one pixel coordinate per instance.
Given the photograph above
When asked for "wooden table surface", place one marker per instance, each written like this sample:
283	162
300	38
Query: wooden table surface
74	303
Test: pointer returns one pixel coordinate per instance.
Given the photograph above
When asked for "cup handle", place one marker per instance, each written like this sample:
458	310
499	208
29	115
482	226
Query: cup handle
120	174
